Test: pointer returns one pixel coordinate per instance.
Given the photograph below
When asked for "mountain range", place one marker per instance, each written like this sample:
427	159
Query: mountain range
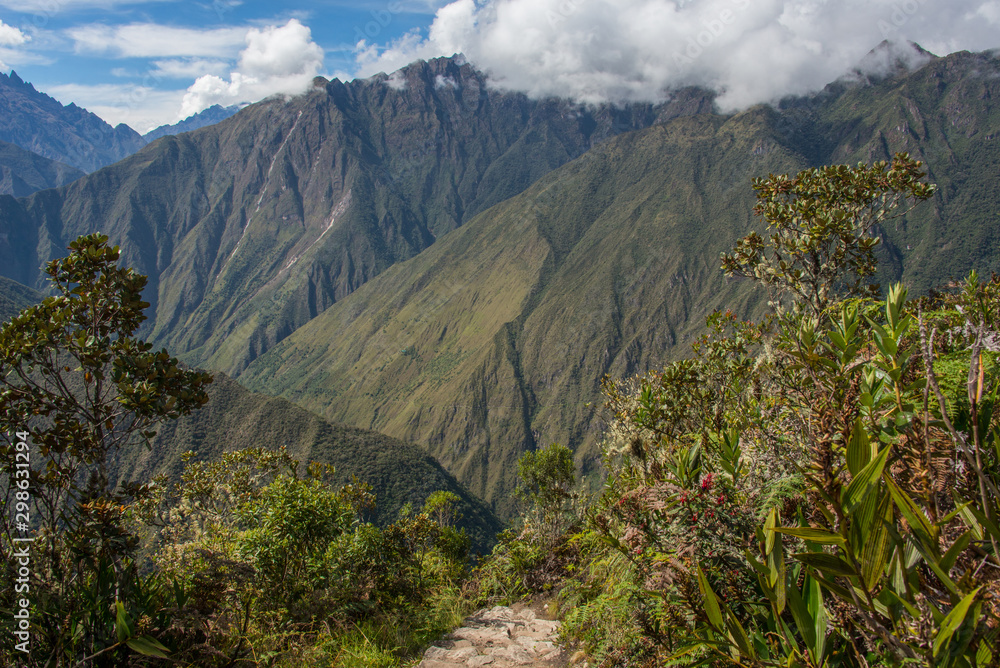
458	266
70	134
209	116
60	143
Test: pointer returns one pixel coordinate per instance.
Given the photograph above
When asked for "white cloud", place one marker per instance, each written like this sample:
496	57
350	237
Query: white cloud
188	68
396	81
276	60
11	36
47	8
151	40
141	107
618	50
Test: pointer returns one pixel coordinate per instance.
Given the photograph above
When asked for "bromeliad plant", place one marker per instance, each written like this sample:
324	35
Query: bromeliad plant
895	557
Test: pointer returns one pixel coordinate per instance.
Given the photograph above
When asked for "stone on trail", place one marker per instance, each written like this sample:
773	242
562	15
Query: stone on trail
498	637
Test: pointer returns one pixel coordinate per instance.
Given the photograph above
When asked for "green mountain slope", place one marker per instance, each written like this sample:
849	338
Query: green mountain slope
253	226
495	339
398	472
15	297
23	172
235	418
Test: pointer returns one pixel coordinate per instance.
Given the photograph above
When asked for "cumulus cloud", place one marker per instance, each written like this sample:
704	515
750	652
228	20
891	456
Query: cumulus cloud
628	50
275	60
11	36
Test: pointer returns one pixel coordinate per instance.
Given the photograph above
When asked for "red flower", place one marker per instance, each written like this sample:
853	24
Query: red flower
706	482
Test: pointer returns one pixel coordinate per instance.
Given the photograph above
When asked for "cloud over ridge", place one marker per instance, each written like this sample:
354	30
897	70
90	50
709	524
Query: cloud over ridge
276	60
636	50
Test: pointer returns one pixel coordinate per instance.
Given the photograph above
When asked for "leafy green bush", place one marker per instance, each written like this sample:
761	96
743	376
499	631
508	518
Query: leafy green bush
272	561
77	388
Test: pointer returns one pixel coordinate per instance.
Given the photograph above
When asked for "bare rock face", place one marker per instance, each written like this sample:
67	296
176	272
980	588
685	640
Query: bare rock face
499	637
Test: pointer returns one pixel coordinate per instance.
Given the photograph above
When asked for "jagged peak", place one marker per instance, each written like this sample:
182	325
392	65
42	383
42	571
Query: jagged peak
893	58
14	80
438	72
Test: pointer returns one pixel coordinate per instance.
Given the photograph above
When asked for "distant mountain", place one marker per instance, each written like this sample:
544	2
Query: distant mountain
235	418
40	124
23	172
209	116
253	226
15	297
891	59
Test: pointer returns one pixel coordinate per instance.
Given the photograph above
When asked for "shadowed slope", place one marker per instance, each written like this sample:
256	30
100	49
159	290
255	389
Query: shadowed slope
235	418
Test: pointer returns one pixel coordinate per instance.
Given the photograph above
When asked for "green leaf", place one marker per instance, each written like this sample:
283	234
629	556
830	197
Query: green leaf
910	608
769	524
814	603
859	449
821	536
953	621
956	549
932	562
149	646
710	600
837	590
863	482
914	516
985	522
800	613
984	657
123	625
739	635
775	561
877	551
755	563
829	564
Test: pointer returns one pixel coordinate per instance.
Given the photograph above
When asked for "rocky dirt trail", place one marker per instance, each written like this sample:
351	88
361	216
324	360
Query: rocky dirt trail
499	637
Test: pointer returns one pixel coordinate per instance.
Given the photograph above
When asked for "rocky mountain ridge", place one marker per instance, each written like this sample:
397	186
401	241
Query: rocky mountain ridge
65	133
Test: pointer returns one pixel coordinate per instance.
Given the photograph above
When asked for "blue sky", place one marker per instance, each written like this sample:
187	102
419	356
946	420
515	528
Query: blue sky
148	62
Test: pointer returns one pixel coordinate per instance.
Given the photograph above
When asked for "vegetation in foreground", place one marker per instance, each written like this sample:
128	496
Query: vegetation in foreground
250	559
815	489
